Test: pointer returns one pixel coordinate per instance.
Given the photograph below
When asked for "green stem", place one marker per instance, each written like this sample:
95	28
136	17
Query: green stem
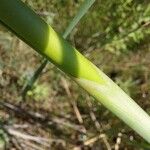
39	35
82	11
33	79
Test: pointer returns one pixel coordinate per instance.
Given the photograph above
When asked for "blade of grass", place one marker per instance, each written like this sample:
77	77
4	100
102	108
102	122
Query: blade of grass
33	79
82	11
21	20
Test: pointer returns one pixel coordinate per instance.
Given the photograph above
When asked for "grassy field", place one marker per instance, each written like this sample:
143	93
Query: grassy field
56	113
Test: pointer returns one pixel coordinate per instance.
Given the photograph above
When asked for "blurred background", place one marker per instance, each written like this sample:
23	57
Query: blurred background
56	113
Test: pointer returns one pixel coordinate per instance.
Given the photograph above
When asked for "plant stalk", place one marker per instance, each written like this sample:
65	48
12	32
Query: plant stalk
24	22
82	11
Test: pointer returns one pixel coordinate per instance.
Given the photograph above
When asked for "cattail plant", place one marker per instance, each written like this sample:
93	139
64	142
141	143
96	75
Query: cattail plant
82	11
24	22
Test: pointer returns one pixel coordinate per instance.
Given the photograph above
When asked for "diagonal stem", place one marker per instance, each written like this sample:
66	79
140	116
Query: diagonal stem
82	11
22	21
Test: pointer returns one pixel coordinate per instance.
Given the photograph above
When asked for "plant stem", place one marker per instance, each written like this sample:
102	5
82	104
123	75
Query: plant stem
33	79
39	35
82	11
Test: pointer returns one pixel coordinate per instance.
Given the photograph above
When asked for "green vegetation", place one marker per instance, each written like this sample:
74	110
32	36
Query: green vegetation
84	8
112	39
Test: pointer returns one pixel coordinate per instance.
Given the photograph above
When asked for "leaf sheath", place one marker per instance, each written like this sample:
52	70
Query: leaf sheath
39	35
